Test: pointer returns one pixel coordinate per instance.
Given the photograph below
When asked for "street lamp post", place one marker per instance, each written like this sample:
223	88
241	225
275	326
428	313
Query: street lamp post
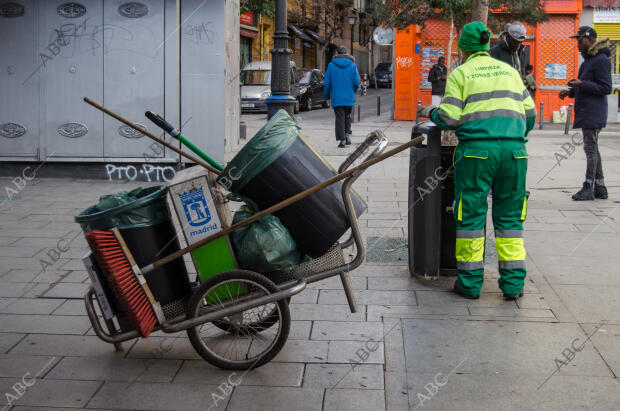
352	17
280	66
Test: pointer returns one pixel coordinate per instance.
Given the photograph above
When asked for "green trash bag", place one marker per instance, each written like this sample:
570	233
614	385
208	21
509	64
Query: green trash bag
265	245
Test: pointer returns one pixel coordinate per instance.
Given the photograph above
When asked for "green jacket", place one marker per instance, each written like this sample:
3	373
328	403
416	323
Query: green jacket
486	98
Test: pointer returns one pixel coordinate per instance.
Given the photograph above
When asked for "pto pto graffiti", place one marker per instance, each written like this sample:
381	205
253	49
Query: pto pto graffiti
149	171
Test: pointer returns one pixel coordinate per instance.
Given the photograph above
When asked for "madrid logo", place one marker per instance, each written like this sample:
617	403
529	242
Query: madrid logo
195	207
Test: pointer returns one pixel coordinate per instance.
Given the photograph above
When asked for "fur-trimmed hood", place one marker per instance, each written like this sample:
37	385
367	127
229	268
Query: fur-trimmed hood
600	46
345	56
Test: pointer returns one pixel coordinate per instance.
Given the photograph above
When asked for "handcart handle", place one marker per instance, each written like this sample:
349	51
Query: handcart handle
162	123
359	150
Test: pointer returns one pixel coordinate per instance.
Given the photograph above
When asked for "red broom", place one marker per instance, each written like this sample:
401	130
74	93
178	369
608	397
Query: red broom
130	288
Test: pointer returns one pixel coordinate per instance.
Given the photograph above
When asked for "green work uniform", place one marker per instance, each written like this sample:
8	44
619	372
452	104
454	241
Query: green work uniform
491	112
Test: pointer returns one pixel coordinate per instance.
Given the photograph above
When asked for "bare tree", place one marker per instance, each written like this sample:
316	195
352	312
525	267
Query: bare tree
480	10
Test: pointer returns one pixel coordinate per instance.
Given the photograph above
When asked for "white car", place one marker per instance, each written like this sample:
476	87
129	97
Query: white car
255	82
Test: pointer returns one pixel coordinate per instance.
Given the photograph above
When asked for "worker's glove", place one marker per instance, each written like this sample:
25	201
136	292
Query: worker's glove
427	110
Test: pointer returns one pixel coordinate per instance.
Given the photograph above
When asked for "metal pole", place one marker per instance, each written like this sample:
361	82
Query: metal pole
568	116
540	122
358	112
280	98
417	116
378	105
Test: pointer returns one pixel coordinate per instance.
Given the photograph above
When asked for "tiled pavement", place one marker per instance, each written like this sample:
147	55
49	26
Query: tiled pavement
412	345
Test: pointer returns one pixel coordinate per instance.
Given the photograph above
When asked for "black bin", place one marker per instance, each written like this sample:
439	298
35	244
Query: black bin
431	225
142	218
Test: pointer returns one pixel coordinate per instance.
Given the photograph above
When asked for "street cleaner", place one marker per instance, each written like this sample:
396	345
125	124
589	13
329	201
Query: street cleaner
491	112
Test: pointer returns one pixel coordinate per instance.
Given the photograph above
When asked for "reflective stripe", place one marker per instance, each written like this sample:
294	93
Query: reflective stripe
480	115
469	233
524	209
472	98
511	264
509	249
453	100
446	118
530	112
469	265
460	211
508	233
469	249
525	94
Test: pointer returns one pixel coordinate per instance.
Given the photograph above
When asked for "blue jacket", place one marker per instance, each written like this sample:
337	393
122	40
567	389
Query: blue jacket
341	81
591	95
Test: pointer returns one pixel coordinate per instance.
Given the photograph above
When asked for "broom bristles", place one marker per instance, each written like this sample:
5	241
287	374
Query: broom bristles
117	270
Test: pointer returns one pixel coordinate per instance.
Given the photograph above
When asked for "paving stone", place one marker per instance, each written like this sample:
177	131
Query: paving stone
377	312
354	400
31	306
300	330
68	290
53	393
13	365
606	340
396	391
450	298
394	345
349	331
66	345
115	369
174	346
9	340
12	290
276	399
334	283
71	307
280	374
474	392
506	347
157	396
45	324
512	312
405	283
7	240
308	351
33	275
306	297
10	251
591	303
348	352
366	376
326	312
365	297
382	270
590	270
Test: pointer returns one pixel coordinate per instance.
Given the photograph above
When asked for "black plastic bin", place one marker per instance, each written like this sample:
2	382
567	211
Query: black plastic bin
432	228
142	218
278	163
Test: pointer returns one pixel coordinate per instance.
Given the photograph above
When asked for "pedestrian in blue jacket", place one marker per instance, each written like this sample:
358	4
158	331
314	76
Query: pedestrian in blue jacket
342	80
590	91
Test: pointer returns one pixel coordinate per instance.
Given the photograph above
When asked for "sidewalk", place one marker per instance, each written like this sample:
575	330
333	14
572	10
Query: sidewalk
412	345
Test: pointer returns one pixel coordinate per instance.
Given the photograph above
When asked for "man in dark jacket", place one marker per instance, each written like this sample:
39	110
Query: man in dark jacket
590	91
509	47
437	77
341	82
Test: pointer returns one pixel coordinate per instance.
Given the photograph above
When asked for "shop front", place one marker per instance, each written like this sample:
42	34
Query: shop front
548	48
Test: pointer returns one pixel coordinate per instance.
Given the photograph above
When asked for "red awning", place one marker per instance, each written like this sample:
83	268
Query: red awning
601	3
248	33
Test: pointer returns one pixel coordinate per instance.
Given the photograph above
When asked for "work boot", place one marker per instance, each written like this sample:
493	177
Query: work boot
341	145
462	294
513	296
600	192
348	139
586	193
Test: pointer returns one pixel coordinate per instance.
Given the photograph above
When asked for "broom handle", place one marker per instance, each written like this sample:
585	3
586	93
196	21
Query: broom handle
152	136
281	205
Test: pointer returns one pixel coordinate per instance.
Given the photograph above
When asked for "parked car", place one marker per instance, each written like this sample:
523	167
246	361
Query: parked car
255	82
383	75
311	83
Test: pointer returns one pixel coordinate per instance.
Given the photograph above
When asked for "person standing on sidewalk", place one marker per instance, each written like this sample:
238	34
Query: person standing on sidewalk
492	112
437	77
509	47
590	91
342	80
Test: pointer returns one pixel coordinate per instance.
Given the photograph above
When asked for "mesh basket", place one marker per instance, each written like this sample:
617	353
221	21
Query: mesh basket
334	257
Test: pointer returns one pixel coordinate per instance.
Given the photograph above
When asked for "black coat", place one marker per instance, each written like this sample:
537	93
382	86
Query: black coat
501	52
438	84
591	95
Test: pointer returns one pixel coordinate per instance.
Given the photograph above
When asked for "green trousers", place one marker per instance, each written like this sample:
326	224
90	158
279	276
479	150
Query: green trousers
482	165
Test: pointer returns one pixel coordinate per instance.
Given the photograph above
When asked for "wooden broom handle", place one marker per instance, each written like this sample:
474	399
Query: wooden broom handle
152	136
282	204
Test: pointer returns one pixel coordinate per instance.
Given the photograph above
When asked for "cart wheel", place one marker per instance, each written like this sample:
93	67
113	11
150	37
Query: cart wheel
238	349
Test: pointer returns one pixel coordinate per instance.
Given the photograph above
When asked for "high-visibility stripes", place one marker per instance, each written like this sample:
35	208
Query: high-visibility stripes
453	100
509	233
487	95
507	265
446	118
459	215
524	209
469	233
510	249
469	265
530	112
469	251
491	113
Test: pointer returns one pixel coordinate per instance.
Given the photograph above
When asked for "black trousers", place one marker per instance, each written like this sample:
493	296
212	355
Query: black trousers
594	168
343	121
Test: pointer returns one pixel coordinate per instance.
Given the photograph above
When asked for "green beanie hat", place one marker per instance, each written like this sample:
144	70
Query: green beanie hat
475	37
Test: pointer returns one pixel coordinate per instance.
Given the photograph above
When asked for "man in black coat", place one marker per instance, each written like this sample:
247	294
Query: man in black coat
590	91
509	47
437	77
